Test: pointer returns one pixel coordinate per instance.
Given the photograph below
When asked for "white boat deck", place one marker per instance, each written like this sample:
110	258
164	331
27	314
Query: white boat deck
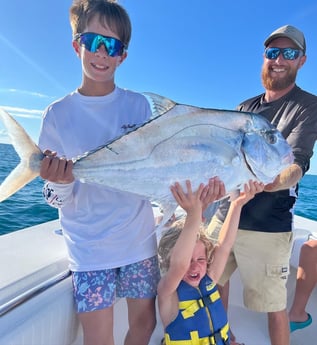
35	312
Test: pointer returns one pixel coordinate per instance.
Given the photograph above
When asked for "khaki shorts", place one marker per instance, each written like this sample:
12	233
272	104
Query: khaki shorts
263	262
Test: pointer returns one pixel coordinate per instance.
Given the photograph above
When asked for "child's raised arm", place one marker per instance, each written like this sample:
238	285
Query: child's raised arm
229	229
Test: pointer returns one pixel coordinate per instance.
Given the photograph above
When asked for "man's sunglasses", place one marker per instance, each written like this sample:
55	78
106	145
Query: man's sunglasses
92	41
288	53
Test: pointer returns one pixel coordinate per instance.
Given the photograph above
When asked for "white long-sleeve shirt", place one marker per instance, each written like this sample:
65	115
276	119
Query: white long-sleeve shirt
103	228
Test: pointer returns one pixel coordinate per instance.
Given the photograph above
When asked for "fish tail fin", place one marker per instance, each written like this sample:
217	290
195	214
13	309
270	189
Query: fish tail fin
29	153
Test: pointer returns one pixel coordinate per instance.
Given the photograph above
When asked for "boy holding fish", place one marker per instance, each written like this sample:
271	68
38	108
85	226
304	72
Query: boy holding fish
103	228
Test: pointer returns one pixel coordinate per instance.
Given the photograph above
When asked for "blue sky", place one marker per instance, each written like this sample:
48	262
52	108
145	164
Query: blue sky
203	52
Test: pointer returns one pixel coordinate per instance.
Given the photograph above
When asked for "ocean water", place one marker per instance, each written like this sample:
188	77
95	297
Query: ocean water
27	207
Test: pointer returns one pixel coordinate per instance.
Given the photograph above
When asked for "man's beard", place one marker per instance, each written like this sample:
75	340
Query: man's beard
277	84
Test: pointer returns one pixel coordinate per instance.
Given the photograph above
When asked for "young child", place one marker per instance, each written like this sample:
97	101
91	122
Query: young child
189	302
103	229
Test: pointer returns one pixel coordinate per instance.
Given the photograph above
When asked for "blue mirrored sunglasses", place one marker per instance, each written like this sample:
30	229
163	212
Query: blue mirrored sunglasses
92	41
288	53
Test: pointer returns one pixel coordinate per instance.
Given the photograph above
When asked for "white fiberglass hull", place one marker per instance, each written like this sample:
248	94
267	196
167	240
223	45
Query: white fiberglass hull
36	306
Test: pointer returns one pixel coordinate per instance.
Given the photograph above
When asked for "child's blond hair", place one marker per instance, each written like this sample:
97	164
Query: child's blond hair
169	238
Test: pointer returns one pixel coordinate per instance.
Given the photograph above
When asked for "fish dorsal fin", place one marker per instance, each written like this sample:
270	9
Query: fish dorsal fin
159	104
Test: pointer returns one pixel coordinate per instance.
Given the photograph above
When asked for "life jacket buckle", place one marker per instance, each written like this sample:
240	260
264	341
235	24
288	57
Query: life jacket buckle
206	300
220	340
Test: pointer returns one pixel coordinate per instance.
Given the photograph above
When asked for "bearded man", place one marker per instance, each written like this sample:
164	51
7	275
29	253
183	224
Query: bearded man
263	245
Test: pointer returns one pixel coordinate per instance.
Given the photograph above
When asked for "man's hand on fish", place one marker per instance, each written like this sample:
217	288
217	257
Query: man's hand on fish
56	169
287	178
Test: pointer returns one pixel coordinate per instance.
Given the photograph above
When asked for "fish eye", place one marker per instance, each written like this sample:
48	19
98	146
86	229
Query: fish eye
270	137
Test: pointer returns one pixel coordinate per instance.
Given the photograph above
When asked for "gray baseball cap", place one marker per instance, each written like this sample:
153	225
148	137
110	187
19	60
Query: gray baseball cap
290	32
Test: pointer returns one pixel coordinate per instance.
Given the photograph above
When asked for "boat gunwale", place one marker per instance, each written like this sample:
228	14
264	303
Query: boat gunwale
32	292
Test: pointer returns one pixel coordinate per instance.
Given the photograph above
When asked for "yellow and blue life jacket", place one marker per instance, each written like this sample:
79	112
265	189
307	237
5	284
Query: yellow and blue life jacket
201	319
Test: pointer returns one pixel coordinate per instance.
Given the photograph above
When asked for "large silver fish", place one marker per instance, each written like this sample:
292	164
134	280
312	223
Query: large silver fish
179	142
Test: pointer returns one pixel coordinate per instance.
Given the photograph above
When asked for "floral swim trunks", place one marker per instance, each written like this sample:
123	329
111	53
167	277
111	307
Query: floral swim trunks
96	290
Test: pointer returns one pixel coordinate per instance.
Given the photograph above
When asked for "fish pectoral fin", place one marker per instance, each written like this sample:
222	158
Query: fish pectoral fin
168	210
168	207
210	211
234	194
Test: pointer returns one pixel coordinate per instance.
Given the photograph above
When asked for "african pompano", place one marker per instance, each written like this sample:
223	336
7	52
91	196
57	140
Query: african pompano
179	142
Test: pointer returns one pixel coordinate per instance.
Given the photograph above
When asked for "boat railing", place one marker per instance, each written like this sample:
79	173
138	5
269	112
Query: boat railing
33	291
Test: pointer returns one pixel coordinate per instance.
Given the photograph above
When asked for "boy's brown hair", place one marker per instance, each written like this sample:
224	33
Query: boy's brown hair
110	13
